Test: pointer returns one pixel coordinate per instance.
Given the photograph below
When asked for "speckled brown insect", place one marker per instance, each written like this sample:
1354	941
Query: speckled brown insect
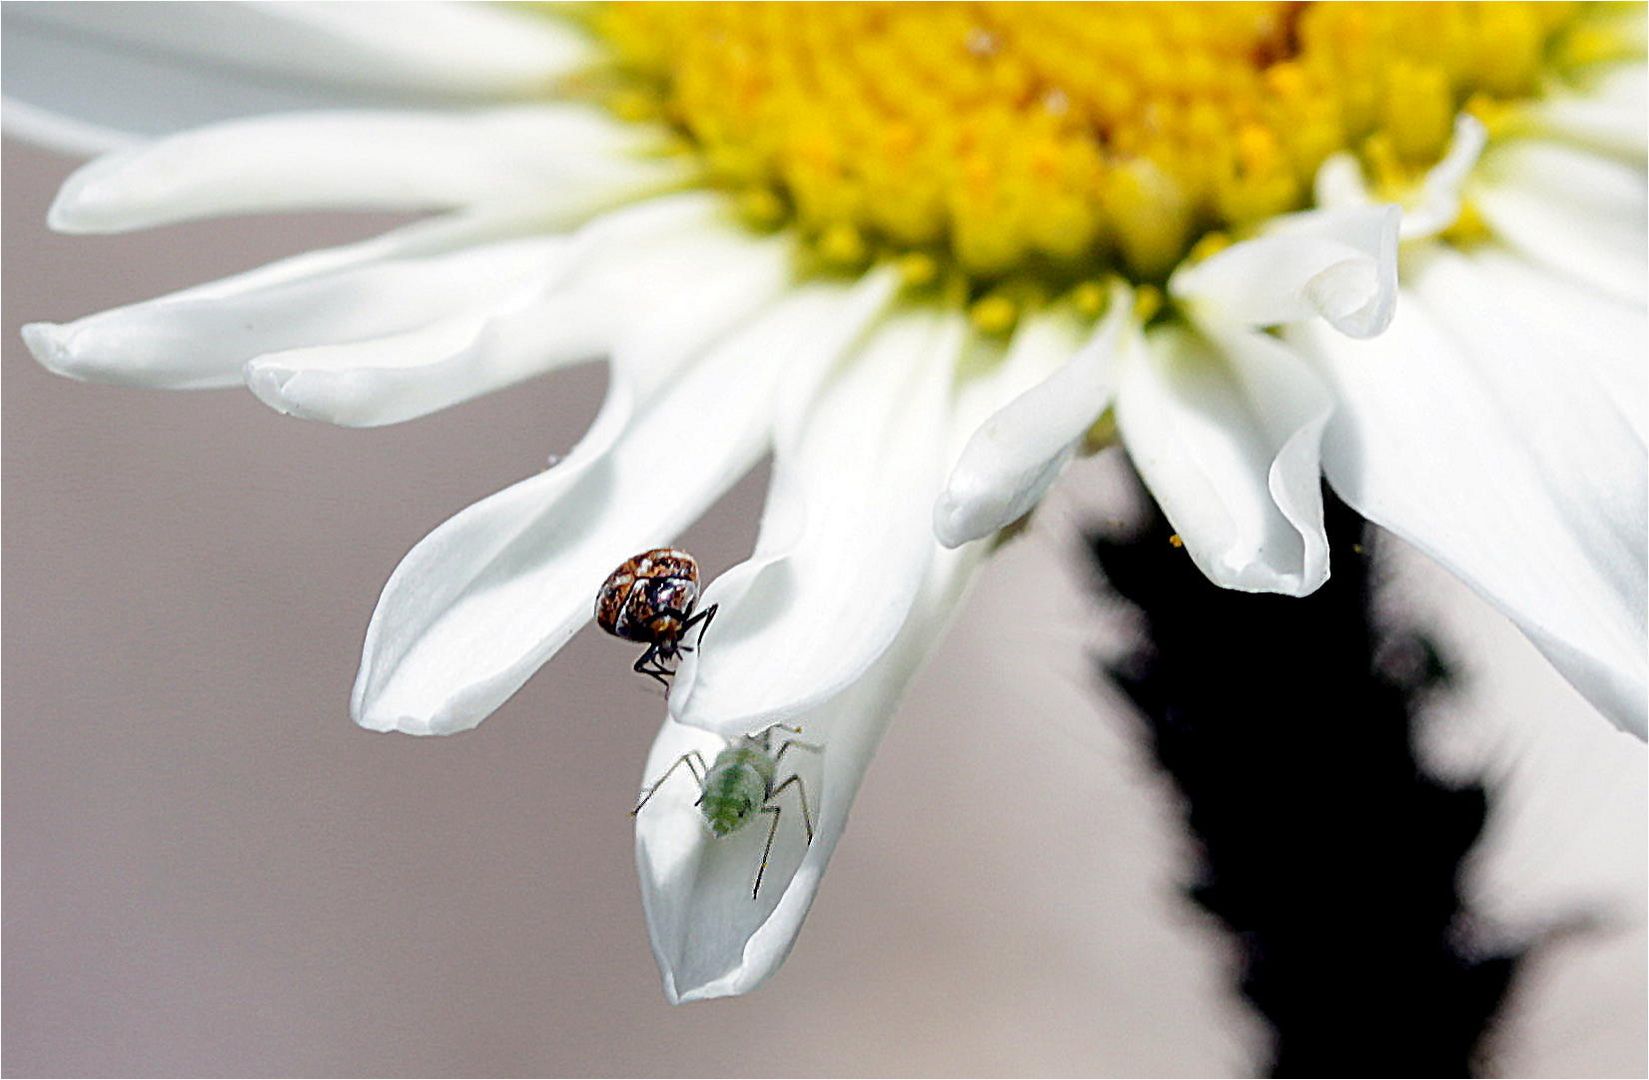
650	598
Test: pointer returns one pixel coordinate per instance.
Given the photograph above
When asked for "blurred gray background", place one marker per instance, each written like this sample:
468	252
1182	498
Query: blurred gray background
210	870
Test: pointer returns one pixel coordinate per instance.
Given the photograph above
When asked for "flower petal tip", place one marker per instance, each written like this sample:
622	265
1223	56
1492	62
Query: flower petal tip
411	725
1471	137
1358	297
959	520
48	344
89	351
700	993
949	527
339	398
373	715
80	208
61	218
62	350
268	383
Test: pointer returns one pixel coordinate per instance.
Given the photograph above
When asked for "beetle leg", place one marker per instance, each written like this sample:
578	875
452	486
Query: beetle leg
702	620
657	671
670	647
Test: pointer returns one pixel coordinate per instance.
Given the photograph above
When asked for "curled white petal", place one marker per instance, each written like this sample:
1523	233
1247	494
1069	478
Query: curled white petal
491	594
1340	264
133	70
1010	461
1226	434
711	938
844	542
568	159
1582	214
1434	206
1420	444
1437	204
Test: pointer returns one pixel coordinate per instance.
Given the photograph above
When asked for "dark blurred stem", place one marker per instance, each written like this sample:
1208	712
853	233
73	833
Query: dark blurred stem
1327	850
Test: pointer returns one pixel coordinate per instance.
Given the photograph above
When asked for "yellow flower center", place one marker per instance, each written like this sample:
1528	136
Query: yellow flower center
1052	143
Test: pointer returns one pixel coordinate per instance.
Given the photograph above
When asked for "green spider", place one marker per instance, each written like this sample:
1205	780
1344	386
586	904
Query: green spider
740	784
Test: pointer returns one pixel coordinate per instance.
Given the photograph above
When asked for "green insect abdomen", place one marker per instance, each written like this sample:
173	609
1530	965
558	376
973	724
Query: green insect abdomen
734	791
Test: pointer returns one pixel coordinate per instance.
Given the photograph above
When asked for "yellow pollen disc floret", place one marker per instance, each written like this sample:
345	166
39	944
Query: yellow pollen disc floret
1058	142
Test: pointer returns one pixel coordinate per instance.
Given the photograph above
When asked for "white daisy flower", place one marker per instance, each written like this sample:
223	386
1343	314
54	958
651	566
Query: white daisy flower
924	255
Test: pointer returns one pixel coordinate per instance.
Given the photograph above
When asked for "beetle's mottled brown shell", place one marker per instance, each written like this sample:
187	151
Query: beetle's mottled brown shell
635	598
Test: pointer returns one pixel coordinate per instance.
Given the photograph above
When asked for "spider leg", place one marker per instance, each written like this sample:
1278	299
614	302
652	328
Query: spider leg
817	748
686	759
768	850
766	734
801	793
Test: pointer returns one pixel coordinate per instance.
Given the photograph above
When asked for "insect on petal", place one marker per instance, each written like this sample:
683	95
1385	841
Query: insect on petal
710	936
845	538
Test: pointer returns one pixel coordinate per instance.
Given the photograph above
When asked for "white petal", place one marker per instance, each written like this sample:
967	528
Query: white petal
1419	444
64	134
1436	204
569	159
1514	334
1339	183
487	597
142	70
711	938
1340	264
202	336
1227	437
1438	201
518	331
1011	460
845	538
1610	114
1589	338
390	379
1579	213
